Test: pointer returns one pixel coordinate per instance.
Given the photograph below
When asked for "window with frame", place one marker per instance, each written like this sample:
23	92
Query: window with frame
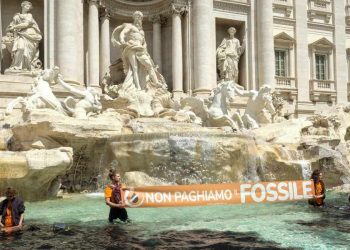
280	62
321	66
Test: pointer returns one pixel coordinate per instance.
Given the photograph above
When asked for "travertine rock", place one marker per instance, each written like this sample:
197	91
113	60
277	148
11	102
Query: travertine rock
54	129
138	179
34	173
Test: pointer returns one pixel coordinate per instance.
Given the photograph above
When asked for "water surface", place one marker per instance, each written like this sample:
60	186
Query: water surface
292	225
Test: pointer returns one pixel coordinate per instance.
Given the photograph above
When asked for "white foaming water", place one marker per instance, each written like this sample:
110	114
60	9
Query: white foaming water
305	168
95	194
285	153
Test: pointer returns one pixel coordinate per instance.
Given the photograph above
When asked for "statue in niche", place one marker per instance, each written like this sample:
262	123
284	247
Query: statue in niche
228	54
139	68
22	41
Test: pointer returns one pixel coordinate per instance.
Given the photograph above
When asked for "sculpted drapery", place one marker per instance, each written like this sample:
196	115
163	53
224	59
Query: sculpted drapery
22	39
139	68
228	54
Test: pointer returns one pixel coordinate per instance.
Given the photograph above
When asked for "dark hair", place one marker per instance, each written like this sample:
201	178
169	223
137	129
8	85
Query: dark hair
10	191
315	175
112	173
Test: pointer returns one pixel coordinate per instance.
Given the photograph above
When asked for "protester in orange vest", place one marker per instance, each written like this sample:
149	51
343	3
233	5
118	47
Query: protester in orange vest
11	212
114	198
320	190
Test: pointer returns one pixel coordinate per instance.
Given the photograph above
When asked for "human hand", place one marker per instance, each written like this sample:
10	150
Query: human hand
1	225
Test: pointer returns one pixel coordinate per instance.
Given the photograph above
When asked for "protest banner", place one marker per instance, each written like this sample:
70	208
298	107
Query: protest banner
214	194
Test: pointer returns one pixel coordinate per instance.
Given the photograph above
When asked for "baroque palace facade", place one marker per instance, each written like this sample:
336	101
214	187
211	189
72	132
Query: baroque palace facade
299	47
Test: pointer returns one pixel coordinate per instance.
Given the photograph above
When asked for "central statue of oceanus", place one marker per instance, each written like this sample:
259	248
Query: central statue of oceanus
139	68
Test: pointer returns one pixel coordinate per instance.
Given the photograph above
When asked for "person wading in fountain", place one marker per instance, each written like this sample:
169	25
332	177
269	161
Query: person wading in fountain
11	212
113	197
320	190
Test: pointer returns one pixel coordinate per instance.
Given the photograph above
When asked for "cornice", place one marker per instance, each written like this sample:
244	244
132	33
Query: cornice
284	21
320	26
232	6
149	9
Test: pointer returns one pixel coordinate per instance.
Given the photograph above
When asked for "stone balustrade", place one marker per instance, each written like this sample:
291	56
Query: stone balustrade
322	87
284	7
286	85
318	9
285	82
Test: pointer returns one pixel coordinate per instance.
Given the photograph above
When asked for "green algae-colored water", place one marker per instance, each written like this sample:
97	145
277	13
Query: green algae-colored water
292	225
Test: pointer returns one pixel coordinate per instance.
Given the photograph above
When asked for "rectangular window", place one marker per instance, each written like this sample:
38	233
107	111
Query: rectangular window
321	67
281	63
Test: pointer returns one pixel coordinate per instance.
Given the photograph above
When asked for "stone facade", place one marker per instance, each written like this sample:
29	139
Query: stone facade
301	48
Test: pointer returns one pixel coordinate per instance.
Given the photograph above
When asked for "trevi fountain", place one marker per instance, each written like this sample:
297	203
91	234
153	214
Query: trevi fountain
133	123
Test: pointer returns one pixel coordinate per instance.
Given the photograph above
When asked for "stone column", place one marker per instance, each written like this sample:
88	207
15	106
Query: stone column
105	49
69	49
157	41
177	62
340	52
266	51
93	44
0	31
187	52
204	47
302	50
49	34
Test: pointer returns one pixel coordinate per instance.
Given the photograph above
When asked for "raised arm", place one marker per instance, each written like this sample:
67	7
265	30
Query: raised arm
123	33
70	88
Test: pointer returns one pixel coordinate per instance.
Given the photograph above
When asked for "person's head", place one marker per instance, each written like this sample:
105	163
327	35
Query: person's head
26	6
114	175
138	16
10	193
317	175
231	31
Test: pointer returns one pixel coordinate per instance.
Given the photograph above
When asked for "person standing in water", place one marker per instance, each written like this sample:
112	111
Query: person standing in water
114	198
320	190
11	212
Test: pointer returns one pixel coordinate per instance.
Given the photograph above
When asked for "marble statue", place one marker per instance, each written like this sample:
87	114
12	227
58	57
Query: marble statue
228	54
88	104
22	40
42	95
260	108
139	68
218	110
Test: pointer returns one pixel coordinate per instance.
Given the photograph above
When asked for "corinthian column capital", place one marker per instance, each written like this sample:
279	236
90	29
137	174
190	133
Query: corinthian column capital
158	19
105	14
178	9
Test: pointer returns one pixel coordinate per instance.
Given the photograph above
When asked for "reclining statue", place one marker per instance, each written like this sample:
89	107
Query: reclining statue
42	97
87	105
